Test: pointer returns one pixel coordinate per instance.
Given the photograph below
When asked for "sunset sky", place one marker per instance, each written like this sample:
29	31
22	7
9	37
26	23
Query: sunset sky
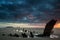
16	12
27	25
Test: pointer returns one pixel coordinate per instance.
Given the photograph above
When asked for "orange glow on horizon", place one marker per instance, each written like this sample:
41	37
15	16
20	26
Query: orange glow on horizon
57	25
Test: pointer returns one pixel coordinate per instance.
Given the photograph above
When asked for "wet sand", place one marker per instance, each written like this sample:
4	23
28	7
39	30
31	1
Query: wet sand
37	30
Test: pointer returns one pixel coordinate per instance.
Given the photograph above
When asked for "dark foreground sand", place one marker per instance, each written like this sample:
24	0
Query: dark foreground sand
11	30
15	38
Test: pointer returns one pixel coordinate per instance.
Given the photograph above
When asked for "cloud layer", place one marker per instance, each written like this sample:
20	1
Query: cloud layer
29	10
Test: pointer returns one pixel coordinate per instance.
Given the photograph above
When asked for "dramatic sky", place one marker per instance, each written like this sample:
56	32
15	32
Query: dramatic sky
29	11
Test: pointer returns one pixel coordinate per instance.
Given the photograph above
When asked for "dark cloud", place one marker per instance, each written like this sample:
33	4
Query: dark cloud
19	10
